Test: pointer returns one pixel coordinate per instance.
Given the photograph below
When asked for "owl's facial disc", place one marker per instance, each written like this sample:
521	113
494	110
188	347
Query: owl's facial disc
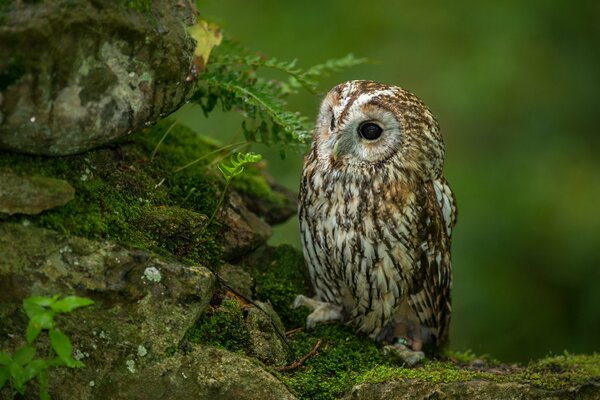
369	134
367	131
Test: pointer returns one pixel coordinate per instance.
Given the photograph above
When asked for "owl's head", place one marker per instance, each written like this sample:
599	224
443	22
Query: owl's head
365	123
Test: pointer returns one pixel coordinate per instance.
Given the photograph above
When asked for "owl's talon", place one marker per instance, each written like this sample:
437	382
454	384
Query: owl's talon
300	301
410	357
321	311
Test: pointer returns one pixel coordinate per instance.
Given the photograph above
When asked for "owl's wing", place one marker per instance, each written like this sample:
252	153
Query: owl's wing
447	203
433	278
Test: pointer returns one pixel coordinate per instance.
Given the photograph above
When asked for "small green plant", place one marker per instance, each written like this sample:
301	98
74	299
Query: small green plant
235	167
23	366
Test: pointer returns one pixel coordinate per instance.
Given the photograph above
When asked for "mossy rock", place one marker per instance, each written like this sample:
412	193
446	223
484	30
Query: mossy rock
124	194
144	303
557	377
76	74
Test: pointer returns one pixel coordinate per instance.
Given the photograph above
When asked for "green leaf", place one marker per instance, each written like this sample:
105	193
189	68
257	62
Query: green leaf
5	359
4	374
33	330
43	320
40	301
63	348
32	309
17	373
236	164
34	368
24	355
61	344
70	303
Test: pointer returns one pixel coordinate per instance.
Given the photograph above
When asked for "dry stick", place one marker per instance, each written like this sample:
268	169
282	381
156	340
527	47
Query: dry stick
292	331
301	361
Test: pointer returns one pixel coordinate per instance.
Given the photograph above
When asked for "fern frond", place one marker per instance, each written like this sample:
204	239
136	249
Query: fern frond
333	65
259	102
231	79
237	163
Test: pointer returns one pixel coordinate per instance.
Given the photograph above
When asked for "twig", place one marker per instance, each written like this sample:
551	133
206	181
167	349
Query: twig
301	361
292	331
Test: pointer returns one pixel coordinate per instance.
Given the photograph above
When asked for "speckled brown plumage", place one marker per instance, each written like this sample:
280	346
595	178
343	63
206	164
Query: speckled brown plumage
376	216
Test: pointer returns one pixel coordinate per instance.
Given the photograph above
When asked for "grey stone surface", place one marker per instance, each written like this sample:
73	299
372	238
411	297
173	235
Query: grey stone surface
242	230
205	373
32	194
266	330
78	74
237	278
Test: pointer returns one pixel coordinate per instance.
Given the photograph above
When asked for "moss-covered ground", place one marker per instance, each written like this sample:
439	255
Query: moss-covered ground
124	194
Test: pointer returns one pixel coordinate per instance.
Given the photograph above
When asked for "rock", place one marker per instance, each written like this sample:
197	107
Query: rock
32	194
178	226
237	278
266	331
242	230
476	389
205	373
76	74
266	198
144	304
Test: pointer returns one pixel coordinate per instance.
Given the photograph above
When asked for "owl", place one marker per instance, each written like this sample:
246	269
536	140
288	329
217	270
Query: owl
376	216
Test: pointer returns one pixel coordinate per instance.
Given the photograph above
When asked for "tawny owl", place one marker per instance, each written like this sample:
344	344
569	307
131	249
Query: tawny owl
376	216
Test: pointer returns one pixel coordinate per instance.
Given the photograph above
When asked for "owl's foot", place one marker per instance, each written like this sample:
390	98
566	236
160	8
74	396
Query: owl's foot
321	311
406	354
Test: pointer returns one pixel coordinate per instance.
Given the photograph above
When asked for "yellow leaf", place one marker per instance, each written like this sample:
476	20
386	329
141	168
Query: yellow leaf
207	35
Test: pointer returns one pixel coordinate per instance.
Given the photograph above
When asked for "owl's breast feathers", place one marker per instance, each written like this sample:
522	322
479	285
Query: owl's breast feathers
378	239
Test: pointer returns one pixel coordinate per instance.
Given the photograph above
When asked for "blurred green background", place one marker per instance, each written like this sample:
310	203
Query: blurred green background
515	87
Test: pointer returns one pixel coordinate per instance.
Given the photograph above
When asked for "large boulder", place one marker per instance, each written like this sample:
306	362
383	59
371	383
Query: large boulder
77	74
144	304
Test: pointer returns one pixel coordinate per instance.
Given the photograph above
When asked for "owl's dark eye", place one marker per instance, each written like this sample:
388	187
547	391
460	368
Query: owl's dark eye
370	130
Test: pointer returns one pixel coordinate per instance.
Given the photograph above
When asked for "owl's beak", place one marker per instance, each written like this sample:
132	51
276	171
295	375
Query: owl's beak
336	150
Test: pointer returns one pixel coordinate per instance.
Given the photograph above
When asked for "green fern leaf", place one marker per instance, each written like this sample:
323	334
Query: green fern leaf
236	164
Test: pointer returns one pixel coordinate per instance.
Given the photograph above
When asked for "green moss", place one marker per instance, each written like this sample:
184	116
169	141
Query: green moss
341	359
253	184
222	327
553	373
279	277
561	372
430	371
121	196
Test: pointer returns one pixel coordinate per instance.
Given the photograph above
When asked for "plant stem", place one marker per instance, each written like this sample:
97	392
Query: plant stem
161	140
208	154
217	208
